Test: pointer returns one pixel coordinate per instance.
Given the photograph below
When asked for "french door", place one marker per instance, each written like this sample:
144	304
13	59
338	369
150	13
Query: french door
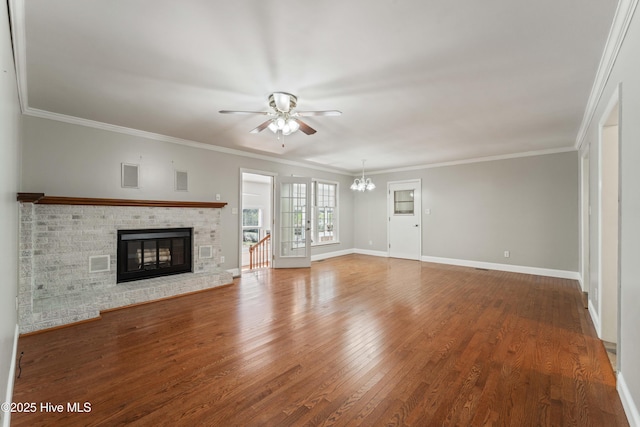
292	240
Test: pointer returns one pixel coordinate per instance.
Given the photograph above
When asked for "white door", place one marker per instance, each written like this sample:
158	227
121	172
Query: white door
405	219
292	240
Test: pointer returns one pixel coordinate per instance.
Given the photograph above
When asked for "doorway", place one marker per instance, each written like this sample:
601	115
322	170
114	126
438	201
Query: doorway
256	220
404	207
608	292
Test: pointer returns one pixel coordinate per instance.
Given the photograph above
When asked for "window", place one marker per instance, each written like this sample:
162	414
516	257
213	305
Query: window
325	212
403	202
251	217
251	223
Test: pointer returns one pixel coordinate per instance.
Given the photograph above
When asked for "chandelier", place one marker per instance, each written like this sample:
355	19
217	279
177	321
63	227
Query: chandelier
362	184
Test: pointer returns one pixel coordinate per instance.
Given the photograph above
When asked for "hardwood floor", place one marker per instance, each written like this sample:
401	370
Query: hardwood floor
354	340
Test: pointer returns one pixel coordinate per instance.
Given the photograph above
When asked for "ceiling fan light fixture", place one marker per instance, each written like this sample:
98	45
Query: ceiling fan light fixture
284	117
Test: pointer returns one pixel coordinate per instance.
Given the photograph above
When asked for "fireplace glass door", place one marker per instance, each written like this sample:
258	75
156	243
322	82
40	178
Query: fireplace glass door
149	253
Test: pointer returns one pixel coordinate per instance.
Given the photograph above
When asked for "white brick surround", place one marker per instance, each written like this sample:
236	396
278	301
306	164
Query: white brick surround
56	241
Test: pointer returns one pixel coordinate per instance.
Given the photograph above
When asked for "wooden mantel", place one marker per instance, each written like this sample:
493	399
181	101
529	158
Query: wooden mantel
41	199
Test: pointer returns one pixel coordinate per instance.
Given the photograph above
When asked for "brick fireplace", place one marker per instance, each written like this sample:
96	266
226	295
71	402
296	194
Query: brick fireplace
69	254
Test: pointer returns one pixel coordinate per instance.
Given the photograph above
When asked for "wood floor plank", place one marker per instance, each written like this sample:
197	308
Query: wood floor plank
353	341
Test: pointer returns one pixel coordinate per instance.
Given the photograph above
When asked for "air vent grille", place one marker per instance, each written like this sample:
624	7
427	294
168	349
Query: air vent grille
130	176
99	263
182	181
205	252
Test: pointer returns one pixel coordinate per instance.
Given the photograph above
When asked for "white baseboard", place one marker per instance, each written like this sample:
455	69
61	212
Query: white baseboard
372	253
562	274
630	408
334	254
595	318
6	416
234	271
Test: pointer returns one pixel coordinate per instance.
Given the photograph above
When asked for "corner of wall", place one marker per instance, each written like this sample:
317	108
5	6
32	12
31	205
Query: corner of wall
6	416
630	407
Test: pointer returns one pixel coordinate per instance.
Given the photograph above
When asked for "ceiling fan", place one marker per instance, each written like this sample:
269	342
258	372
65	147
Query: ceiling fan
285	119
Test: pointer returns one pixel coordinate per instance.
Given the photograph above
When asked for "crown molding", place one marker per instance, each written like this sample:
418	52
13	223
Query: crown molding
476	160
34	112
194	144
617	33
19	37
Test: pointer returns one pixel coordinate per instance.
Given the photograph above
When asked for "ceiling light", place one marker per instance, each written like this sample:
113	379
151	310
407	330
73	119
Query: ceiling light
362	184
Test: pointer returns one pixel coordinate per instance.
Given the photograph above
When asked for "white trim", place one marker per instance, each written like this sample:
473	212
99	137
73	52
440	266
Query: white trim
614	101
621	22
538	271
334	254
595	318
19	37
273	176
8	397
585	217
370	252
630	408
476	160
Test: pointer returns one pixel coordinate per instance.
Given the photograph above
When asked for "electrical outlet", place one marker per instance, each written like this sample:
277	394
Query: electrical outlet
222	259
507	254
370	242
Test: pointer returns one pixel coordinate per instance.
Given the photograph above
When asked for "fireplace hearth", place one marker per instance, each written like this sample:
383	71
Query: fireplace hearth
147	253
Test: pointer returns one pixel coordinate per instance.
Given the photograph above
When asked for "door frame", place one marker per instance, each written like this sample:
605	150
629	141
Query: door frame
291	261
418	181
273	176
614	105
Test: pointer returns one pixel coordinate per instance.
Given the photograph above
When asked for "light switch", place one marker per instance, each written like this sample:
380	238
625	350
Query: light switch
427	211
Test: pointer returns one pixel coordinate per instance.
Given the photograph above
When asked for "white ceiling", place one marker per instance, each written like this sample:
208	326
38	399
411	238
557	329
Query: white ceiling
418	82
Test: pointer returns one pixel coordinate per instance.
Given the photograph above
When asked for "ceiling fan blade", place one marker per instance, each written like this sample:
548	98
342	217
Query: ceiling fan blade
283	101
262	113
262	127
305	127
318	113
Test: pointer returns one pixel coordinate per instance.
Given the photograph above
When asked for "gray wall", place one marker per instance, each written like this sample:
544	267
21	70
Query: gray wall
625	72
9	174
62	159
526	205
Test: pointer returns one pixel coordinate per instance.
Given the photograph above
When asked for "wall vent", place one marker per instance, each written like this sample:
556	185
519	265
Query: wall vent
182	181
99	263
130	175
205	252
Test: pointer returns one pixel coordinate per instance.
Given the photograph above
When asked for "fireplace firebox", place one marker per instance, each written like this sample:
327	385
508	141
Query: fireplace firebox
143	254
